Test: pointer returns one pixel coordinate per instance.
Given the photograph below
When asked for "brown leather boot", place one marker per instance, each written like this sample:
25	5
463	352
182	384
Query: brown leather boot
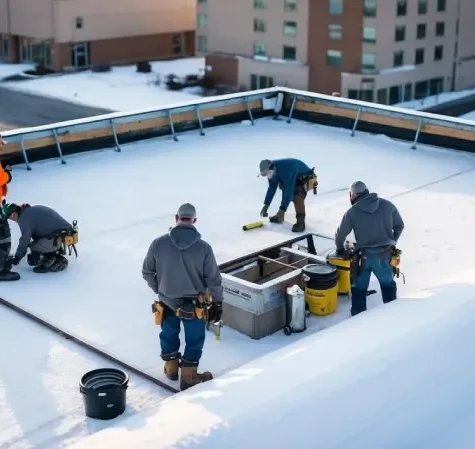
191	377
171	369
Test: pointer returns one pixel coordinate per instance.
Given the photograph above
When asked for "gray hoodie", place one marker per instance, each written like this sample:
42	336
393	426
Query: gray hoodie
375	221
36	222
179	265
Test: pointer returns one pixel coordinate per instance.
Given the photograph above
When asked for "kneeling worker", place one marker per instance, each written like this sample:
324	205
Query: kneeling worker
41	229
377	226
180	268
295	179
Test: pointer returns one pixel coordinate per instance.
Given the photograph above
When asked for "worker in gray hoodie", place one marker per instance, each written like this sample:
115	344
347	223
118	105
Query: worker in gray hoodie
180	268
39	226
377	226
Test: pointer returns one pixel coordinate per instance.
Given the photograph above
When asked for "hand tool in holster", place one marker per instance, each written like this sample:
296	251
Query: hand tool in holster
394	262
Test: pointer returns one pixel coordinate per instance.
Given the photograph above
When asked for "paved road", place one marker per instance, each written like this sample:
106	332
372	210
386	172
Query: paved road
19	110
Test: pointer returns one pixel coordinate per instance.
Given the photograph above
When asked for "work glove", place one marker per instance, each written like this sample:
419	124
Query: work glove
264	211
14	260
215	312
279	217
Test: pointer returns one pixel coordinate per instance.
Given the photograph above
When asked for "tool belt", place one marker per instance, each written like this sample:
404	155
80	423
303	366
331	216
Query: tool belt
355	265
394	262
309	181
68	239
190	309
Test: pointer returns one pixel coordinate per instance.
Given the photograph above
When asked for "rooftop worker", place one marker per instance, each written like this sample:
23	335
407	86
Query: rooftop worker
294	178
181	269
377	226
5	235
40	228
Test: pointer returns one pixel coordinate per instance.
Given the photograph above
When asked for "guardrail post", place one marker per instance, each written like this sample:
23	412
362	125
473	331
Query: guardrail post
251	118
198	114
355	124
58	146
116	139
416	138
292	107
172	126
23	150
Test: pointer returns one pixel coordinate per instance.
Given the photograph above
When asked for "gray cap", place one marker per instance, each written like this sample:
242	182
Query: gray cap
186	210
358	187
264	166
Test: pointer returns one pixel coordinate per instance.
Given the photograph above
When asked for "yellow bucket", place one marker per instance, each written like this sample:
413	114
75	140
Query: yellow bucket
344	281
321	288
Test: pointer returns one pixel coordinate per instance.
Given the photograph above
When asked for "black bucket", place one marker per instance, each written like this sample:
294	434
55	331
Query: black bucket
104	392
321	276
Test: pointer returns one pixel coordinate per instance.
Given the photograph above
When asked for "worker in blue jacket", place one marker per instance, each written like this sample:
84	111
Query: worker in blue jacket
295	179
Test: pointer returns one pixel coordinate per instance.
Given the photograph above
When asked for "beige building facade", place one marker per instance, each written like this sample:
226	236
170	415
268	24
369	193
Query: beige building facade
76	34
387	51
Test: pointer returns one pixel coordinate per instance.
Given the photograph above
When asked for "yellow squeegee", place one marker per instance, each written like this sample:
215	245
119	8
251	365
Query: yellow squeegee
256	224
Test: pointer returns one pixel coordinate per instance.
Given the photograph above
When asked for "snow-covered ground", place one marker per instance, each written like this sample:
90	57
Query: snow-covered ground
13	69
434	100
468	116
122	89
433	189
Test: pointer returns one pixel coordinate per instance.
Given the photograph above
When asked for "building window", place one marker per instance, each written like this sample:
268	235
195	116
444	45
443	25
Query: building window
261	82
368	61
335	32
259	25
400	33
421	30
5	47
369	8
289	53
440	28
441	4
401	7
202	43
438	53
78	22
80	54
177	44
421	90
398	58
290	28
260	4
436	86
382	96
259	49
419	56
201	20
422	7
334	57
38	53
335	7
290	5
369	35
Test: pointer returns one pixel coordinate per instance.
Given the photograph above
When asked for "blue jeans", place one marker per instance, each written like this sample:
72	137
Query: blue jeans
195	332
377	261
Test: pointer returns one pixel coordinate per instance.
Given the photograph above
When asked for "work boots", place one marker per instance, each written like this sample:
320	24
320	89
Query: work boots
278	217
171	369
33	258
190	375
299	226
51	263
389	292
6	276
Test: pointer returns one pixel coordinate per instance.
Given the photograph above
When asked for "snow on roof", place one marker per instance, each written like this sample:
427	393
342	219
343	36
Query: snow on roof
122	201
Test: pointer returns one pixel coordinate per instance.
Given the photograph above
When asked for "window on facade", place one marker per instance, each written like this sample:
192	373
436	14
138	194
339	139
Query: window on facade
394	94
421	90
260	4
38	53
441	5
259	25
177	44
290	5
78	22
421	30
440	28
290	28
436	86
382	96
422	7
400	33
369	8
335	32
438	53
335	7
368	61
401	7
80	52
202	43
259	49
419	56
201	20
369	35
261	82
407	92
398	58
4	47
289	53
334	57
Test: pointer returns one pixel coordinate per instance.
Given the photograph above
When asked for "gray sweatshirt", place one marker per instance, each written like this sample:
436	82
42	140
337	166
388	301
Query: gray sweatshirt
179	265
36	222
374	221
